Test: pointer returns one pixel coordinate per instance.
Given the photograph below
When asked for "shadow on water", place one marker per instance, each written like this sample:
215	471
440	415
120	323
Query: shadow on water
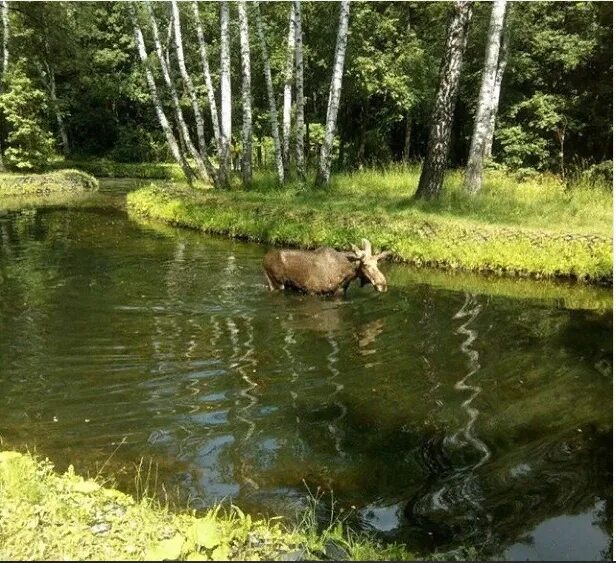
447	418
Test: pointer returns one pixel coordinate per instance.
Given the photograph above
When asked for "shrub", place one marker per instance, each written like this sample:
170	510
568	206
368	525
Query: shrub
30	144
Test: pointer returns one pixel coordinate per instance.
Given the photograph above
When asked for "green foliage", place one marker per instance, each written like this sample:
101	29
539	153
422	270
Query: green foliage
48	516
137	144
559	75
24	105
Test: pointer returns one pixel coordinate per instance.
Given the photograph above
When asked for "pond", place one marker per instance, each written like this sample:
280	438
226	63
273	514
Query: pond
437	417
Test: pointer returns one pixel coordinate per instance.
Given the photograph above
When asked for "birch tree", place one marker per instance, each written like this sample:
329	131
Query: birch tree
474	168
325	160
288	83
207	76
500	72
160	114
225	94
179	52
5	36
246	95
433	169
4	8
267	71
206	170
299	93
49	80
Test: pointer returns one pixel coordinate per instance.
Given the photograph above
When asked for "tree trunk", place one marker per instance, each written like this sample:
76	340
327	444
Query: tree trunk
246	95
207	76
270	94
500	72
162	118
50	81
474	168
299	93
433	169
206	170
325	160
4	7
288	83
406	153
179	52
225	94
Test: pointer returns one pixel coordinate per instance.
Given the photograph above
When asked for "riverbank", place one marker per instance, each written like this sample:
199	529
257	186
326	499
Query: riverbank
535	229
103	168
51	516
48	183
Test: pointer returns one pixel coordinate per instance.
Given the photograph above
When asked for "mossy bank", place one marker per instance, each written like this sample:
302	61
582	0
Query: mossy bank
451	235
49	183
45	515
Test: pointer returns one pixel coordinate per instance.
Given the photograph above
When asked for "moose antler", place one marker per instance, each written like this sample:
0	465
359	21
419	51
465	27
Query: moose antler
360	254
367	246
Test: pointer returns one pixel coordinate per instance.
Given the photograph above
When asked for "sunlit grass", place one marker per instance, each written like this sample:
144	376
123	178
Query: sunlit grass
57	182
50	516
537	228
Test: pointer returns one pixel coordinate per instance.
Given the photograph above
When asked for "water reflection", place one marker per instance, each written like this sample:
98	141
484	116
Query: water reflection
446	418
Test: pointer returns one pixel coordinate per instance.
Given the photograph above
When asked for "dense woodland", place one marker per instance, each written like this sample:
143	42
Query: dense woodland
233	79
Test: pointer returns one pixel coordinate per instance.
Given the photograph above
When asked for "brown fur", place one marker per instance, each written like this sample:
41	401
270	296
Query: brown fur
321	271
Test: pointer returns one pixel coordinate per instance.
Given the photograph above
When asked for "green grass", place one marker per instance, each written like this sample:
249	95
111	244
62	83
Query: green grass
537	228
50	183
103	168
45	515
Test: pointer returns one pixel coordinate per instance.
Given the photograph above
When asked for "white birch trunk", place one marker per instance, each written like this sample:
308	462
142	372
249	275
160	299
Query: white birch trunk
5	37
288	83
299	93
474	168
225	93
49	80
246	95
179	51
267	71
500	72
4	7
325	160
206	171
207	76
162	118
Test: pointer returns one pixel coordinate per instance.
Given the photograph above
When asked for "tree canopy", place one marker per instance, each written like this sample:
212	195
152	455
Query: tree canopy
556	93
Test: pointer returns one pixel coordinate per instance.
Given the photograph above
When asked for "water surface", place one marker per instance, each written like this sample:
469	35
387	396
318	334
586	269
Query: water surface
439	418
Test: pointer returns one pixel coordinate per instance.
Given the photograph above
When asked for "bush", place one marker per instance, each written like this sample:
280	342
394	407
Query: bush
30	144
135	144
601	174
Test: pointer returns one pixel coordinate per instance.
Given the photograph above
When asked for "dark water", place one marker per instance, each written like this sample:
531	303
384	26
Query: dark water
444	418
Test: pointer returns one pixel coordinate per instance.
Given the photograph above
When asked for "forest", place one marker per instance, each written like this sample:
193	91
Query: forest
75	84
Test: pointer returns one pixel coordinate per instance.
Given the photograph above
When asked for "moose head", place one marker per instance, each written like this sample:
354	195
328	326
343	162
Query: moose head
368	269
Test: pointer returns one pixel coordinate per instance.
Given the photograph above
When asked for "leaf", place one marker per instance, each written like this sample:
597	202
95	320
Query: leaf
221	553
206	533
170	549
194	556
85	487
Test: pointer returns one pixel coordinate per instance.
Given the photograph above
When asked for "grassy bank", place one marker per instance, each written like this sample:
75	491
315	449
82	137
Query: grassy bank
50	183
103	168
48	516
537	229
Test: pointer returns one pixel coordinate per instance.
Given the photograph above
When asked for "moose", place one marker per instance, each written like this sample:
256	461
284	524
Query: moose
324	271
